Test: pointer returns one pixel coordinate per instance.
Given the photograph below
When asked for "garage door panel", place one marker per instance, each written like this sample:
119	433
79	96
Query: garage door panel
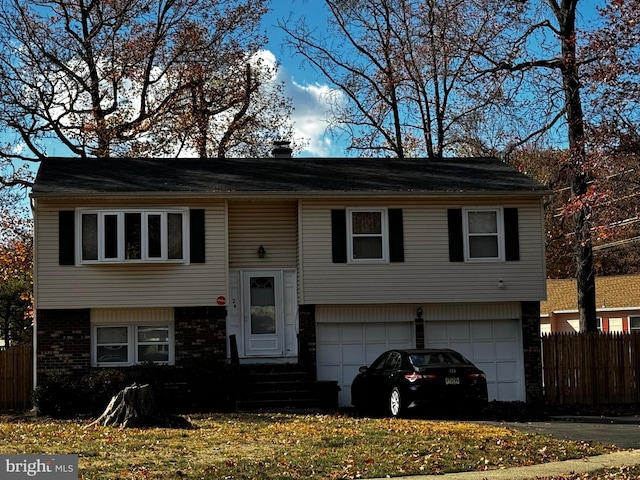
352	333
372	352
399	335
489	368
331	372
436	332
482	330
375	332
507	371
343	348
459	331
466	349
493	345
352	354
327	335
329	353
483	351
506	330
506	350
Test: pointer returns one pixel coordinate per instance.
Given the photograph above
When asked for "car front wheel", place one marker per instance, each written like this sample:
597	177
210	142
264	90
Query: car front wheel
395	403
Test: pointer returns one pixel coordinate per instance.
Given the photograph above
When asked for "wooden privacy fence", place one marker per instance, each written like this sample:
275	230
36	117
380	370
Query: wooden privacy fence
591	367
16	377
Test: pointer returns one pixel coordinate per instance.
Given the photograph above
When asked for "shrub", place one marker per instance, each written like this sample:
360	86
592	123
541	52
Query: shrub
201	385
60	396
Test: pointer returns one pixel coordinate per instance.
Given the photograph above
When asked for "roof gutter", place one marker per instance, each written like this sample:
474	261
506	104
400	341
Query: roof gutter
308	194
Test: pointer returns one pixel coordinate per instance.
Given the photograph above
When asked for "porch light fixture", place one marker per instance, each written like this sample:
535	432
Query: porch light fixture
419	312
261	252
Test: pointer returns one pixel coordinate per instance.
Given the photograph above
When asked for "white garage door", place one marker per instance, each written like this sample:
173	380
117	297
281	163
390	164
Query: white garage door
495	347
342	348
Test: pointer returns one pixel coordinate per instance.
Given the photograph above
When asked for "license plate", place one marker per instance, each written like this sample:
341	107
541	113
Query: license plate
452	381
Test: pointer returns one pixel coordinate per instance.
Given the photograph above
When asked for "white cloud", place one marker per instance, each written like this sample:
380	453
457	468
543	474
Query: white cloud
311	108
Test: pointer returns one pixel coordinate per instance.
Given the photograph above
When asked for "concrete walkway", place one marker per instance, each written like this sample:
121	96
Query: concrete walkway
617	459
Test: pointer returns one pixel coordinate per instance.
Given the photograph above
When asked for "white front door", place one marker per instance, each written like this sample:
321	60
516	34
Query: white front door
263	311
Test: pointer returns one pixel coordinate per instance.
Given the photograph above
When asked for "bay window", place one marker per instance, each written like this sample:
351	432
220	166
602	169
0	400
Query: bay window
132	235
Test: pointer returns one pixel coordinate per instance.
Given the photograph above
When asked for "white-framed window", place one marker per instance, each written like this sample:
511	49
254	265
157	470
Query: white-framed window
117	345
132	235
599	324
367	235
634	324
483	234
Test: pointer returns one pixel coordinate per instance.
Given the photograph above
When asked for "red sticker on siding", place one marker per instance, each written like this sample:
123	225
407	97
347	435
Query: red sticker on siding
221	300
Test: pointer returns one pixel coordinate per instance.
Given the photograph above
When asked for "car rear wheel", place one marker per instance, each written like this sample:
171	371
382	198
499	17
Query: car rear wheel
395	403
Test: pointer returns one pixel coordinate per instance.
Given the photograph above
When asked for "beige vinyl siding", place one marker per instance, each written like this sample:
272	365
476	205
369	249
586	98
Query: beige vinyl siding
104	316
407	313
426	275
129	285
274	225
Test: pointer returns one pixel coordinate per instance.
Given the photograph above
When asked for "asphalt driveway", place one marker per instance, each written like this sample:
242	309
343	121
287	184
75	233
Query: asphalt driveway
622	432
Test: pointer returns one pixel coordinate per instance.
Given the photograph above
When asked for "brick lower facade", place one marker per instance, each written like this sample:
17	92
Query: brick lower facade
307	337
200	332
64	338
63	342
532	348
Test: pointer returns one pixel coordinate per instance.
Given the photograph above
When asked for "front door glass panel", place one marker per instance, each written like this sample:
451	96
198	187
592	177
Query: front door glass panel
263	306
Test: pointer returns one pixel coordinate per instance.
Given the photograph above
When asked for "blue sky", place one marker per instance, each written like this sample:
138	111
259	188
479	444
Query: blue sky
307	88
303	84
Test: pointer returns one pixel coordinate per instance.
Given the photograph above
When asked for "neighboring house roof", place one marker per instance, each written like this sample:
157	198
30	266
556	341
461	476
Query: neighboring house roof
615	292
77	177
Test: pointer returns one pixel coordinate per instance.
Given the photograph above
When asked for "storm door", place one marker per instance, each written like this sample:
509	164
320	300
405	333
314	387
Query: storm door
263	313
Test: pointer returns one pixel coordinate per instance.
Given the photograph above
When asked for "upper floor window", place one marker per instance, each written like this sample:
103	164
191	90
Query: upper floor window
132	235
367	233
483	233
634	324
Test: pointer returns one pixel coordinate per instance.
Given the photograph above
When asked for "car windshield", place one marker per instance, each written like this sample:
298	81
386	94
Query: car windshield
438	358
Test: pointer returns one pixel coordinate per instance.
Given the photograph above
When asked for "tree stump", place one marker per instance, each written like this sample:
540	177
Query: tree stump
135	406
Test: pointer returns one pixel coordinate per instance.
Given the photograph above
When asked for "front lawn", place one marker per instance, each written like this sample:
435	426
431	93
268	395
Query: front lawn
285	446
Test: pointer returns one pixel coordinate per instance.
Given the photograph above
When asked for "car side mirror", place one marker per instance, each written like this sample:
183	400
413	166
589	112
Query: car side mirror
362	369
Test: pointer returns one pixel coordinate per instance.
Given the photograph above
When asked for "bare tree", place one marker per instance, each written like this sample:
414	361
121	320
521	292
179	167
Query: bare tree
109	78
238	115
410	70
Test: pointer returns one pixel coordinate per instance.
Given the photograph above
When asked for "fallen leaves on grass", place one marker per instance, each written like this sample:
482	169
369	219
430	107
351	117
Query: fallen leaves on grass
290	446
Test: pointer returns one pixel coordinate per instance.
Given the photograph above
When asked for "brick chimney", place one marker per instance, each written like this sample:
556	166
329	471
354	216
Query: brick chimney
281	149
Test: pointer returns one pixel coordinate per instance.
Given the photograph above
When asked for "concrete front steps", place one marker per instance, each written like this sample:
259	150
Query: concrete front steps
282	387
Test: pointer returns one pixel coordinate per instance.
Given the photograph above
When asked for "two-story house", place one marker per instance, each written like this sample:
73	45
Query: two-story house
160	260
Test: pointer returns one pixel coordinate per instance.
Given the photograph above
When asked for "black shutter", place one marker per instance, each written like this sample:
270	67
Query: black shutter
339	236
196	236
66	237
396	235
511	234
456	240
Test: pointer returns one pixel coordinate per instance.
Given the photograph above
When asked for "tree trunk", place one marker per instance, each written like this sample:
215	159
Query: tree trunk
135	406
585	275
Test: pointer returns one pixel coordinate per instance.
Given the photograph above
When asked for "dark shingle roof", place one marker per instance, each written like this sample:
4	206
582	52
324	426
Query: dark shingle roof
74	176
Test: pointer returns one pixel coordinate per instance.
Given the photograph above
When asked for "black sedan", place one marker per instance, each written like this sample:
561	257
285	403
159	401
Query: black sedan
399	380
